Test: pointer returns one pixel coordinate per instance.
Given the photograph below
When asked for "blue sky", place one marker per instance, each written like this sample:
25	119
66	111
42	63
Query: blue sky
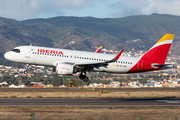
29	9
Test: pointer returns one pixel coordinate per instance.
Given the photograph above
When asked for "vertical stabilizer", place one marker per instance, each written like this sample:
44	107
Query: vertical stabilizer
160	50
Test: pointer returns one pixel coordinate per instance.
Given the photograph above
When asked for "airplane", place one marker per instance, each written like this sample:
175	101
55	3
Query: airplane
69	62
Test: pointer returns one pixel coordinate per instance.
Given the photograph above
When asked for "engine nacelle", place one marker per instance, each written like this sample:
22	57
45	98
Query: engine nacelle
65	69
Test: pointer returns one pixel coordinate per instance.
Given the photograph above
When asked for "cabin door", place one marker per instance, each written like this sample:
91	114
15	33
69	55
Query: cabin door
28	52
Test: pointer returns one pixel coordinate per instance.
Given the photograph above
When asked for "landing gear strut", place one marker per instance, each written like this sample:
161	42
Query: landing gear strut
83	76
27	67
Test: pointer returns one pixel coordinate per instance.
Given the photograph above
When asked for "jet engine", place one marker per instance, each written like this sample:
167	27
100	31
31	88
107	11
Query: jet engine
65	69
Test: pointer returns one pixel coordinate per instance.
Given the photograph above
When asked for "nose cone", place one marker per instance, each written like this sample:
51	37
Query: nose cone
7	55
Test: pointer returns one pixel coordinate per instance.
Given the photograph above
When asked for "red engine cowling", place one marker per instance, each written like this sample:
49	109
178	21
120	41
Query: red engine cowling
65	69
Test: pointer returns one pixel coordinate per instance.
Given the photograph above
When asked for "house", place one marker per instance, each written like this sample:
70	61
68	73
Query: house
19	86
3	84
49	85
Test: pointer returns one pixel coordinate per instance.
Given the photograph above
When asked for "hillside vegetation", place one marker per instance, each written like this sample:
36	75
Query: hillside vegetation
87	33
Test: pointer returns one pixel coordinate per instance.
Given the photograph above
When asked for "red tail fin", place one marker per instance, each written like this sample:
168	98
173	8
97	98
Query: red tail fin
160	50
155	58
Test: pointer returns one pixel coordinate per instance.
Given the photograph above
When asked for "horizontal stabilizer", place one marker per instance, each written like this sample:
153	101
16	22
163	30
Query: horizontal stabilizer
163	66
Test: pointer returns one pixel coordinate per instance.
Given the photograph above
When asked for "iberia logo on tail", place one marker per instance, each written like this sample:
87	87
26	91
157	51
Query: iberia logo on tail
155	56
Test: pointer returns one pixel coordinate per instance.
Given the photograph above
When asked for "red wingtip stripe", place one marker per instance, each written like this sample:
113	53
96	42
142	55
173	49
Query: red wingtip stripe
117	57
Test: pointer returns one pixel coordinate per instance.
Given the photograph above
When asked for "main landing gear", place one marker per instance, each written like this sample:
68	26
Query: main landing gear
83	76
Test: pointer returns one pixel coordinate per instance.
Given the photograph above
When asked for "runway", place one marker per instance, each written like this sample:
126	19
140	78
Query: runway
89	102
89	89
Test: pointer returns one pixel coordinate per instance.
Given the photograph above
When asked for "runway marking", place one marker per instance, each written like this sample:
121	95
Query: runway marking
169	101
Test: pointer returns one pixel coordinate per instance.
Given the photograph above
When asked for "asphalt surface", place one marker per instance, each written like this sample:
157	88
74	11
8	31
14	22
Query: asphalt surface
86	90
89	102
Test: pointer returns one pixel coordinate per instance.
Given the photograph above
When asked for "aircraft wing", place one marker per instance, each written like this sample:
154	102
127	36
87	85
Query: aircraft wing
98	50
99	64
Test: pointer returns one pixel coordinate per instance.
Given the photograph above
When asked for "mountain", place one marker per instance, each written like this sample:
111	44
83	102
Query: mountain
86	33
116	33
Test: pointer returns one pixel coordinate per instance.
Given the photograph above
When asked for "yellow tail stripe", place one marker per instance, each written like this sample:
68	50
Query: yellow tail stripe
166	37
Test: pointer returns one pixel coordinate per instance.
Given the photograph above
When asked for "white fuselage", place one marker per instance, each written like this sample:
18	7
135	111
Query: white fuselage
51	56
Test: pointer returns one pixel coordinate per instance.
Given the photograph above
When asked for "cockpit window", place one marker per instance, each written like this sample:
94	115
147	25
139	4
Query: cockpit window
16	50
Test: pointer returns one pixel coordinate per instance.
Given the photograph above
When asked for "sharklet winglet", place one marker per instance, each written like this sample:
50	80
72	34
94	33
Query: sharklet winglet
117	57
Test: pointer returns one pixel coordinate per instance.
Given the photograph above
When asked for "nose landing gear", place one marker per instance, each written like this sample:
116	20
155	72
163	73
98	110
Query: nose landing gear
27	67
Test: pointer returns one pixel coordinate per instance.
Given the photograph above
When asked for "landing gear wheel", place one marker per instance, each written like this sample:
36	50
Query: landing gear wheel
81	76
25	72
85	79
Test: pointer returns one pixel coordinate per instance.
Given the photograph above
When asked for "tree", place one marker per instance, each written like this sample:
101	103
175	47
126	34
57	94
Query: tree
72	82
